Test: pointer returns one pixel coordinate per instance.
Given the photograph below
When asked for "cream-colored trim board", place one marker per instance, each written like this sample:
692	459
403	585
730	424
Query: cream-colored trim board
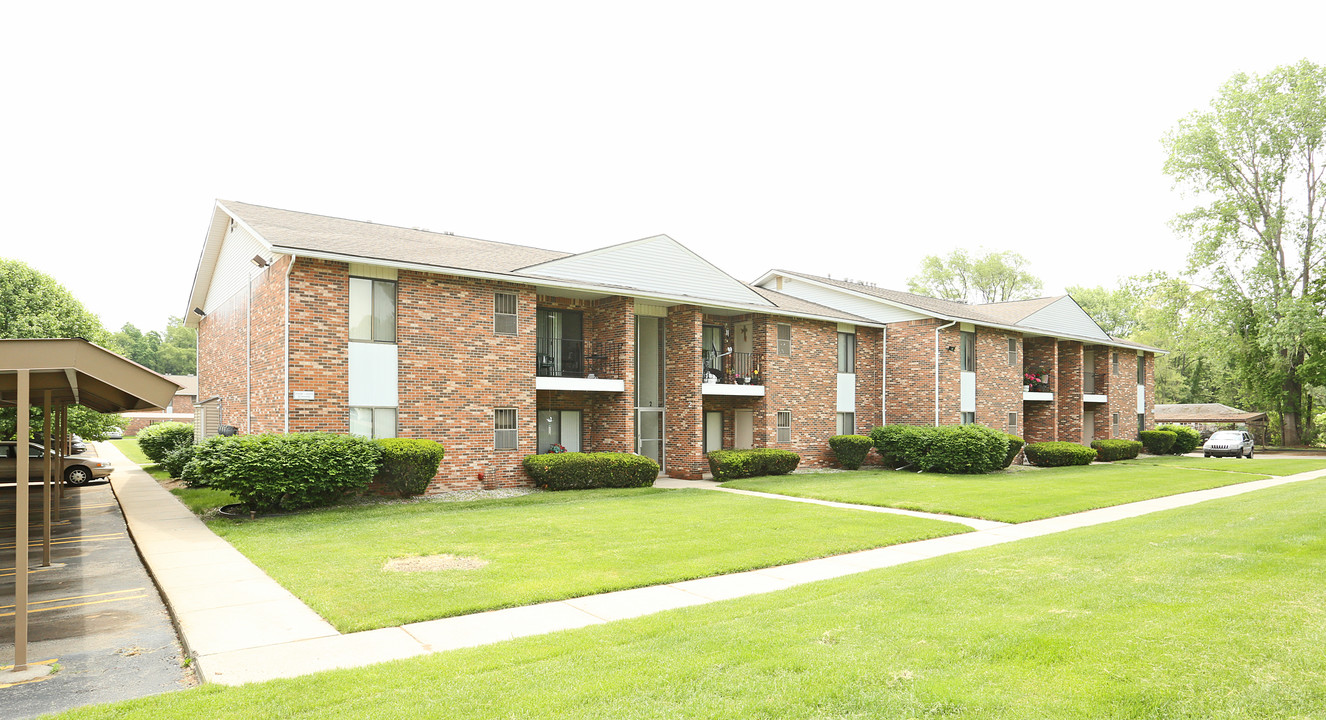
377	272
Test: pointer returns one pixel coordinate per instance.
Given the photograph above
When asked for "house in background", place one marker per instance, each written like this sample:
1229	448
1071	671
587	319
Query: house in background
312	323
180	408
1209	417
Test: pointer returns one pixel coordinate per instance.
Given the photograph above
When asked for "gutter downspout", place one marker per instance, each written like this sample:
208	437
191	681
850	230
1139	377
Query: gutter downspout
248	360
942	327
884	376
288	269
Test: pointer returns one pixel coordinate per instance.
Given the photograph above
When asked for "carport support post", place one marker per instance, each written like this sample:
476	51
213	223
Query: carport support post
22	437
46	487
62	421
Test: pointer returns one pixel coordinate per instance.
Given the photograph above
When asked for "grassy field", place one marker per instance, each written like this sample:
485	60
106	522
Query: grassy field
1015	495
198	500
1210	611
545	546
1263	465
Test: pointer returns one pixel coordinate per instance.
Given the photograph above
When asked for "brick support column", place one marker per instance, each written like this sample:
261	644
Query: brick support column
1068	393
685	420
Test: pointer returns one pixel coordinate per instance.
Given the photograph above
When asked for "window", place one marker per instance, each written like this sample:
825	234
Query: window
504	429
1141	370
969	418
371	422
1012	352
372	310
846	423
785	340
967	354
1114	364
504	314
784	426
846	352
1012	423
1141	422
1114	425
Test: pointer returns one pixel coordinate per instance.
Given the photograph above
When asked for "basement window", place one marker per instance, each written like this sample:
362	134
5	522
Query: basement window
504	429
1012	423
784	426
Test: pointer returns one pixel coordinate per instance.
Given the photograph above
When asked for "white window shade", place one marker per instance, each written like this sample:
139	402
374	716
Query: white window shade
373	375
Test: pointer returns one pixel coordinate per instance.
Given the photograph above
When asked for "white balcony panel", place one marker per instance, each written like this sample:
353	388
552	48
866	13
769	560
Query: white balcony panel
742	390
1095	398
1028	396
846	392
967	392
579	384
1141	399
373	377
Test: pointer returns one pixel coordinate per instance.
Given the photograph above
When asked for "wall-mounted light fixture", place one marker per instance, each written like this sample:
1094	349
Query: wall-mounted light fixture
260	261
199	312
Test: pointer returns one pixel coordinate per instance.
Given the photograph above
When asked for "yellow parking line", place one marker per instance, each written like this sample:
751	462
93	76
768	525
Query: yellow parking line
12	571
66	540
76	597
71	605
35	525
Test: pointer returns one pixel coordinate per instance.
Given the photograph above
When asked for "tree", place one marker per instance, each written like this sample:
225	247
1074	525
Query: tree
992	277
171	354
34	305
1115	311
1254	164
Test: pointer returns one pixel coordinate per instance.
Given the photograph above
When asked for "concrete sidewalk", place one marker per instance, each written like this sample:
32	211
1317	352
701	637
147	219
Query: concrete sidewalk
243	627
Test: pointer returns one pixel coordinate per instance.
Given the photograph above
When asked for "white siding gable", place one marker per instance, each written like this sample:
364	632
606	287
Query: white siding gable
234	266
657	265
877	310
1065	316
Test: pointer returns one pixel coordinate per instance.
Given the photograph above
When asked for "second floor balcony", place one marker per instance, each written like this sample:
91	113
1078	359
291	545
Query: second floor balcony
732	373
574	364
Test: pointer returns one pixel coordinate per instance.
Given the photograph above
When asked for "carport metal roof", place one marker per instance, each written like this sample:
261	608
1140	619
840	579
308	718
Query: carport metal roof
53	374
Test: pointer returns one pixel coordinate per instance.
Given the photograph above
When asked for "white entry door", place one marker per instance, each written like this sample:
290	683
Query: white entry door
1088	427
713	431
743	430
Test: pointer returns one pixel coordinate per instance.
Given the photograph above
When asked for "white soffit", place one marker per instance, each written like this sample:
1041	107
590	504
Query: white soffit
1067	317
656	264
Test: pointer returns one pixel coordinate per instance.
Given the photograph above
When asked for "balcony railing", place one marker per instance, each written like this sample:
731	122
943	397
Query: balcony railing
733	368
559	357
1034	385
1097	384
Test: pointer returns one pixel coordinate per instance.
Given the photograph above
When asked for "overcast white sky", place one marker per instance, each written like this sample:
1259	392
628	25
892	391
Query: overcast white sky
835	138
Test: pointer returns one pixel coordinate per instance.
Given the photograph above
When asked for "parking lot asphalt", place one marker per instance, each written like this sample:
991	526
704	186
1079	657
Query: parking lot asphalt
95	613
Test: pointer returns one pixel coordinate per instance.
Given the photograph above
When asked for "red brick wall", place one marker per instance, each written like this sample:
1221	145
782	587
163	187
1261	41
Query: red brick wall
684	455
320	345
268	348
911	373
454	371
1068	391
1040	421
222	352
805	384
869	376
998	383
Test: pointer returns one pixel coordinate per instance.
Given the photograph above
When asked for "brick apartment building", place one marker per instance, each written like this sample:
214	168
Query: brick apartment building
313	323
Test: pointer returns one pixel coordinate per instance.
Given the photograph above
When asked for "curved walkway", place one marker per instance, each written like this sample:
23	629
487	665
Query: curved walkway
241	626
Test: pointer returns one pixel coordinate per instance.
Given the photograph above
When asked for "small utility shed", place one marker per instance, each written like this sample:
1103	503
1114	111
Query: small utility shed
1212	416
54	374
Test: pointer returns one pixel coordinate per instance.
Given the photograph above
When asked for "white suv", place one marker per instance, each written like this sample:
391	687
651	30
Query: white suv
1229	443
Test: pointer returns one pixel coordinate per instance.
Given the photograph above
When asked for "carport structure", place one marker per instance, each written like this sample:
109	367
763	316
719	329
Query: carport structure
54	374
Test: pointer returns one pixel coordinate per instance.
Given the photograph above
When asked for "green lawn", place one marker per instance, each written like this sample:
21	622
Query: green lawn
1010	496
198	500
545	546
1210	611
1263	465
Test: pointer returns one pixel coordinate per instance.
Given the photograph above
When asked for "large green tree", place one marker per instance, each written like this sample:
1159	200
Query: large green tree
34	305
1253	164
991	277
173	353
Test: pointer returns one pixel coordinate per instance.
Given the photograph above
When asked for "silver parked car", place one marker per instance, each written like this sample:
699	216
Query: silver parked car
1229	443
77	470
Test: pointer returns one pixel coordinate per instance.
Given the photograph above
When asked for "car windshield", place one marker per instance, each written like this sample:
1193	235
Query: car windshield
1227	436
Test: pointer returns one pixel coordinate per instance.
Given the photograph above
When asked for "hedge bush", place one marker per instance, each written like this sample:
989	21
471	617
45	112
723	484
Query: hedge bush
1158	442
733	464
285	472
156	441
582	471
1015	444
408	465
1059	454
887	439
1186	439
177	459
1111	450
851	450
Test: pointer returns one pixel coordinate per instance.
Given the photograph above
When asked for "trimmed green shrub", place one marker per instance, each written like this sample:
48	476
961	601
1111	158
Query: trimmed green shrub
408	465
176	459
1157	442
1111	450
887	439
286	472
1059	454
850	450
733	464
1015	444
156	441
1186	439
582	471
